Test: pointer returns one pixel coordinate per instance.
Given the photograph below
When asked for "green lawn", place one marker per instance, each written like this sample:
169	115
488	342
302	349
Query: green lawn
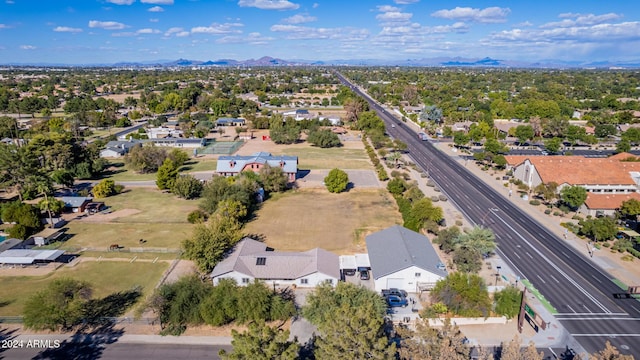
130	255
106	277
101	236
118	171
199	164
154	205
311	158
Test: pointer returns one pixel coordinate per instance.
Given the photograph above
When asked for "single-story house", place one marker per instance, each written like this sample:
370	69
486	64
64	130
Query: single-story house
163	132
605	204
253	260
230	122
45	237
403	259
298	114
115	149
29	256
76	204
234	164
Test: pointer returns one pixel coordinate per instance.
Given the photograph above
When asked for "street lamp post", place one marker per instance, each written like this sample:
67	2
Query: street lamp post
498	274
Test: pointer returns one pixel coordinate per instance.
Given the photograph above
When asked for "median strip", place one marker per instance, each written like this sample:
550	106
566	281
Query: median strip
547	305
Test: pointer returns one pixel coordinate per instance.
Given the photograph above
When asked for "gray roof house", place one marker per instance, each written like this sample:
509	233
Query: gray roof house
116	149
403	259
75	203
29	256
230	122
232	165
251	260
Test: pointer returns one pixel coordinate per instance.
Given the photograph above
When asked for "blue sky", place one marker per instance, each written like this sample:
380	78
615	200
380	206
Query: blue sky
108	31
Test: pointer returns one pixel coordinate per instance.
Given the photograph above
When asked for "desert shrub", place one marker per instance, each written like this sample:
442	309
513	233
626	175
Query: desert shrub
430	183
434	198
442	197
557	213
196	217
534	202
547	211
436	189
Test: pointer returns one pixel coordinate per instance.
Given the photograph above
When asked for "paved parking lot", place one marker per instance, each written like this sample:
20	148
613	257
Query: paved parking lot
357	178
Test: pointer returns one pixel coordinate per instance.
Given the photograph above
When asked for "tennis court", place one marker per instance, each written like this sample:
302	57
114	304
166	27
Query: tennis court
220	147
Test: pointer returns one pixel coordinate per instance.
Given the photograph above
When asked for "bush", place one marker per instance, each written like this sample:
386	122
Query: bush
458	222
104	188
557	213
430	183
547	211
534	202
336	181
442	198
606	244
576	217
396	186
436	189
197	217
435	198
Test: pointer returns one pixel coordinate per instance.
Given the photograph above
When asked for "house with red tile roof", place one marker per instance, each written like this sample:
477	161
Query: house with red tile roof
605	204
614	175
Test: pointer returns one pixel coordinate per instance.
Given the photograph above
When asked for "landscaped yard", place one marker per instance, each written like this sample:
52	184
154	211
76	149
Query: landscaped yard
306	219
100	236
106	277
117	170
154	206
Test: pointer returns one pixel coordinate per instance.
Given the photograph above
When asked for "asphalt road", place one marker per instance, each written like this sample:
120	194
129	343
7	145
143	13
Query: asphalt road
118	351
582	293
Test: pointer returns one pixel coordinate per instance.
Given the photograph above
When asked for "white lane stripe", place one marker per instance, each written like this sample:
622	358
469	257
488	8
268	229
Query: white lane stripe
591	314
599	318
603	335
580	288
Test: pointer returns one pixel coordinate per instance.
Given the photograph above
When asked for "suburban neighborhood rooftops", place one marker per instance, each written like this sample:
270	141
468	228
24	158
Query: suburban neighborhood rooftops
397	248
253	258
608	201
28	256
235	163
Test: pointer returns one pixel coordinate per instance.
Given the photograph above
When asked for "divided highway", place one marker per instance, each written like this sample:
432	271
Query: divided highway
581	292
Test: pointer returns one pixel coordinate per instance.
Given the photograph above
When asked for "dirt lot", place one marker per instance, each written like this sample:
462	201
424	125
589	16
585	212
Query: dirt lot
304	219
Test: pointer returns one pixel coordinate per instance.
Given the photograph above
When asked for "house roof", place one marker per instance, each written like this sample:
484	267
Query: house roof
253	258
229	120
225	163
608	201
579	170
28	256
127	145
74	201
505	125
397	248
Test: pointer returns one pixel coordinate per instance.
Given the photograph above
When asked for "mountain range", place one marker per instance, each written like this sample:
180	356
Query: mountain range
424	62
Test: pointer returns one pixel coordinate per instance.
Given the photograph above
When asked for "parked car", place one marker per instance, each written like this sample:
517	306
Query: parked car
394	291
364	274
397	301
349	272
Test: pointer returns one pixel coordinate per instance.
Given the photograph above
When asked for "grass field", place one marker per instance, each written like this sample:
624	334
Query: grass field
117	171
317	158
101	235
106	277
154	205
130	255
302	220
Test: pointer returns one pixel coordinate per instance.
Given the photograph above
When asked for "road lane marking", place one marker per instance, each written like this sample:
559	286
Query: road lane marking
591	314
529	255
570	308
596	279
518	256
565	254
553	265
554	278
606	335
599	318
544	282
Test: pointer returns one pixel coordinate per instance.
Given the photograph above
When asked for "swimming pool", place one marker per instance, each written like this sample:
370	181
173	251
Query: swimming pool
2	238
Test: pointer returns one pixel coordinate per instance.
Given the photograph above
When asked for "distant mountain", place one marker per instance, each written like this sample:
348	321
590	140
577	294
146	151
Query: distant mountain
424	62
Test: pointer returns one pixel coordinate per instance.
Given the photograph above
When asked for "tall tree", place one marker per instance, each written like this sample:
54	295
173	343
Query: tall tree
58	307
610	352
273	178
261	342
463	294
167	174
573	196
336	181
426	342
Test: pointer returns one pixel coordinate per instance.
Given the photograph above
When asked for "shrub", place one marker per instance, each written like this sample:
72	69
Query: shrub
436	189
442	197
557	213
547	211
606	244
435	198
430	183
196	217
576	217
458	222
336	181
534	202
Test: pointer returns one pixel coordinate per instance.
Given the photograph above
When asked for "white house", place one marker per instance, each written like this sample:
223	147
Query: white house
252	260
403	259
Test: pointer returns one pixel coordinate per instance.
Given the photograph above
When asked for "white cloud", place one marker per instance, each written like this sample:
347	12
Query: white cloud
269	4
177	31
581	20
599	33
226	28
405	2
154	20
295	32
107	25
159	2
27	47
67	29
148	31
394	16
299	19
10	2
486	15
387	8
4	26
156	9
122	2
124	34
254	38
315	5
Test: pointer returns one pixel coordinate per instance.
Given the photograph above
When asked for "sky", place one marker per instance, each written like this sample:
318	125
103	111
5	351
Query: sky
110	31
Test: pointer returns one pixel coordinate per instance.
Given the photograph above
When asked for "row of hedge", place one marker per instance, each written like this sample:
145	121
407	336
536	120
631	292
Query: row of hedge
382	173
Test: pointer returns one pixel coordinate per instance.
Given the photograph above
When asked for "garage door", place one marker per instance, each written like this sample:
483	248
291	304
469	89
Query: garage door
395	283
